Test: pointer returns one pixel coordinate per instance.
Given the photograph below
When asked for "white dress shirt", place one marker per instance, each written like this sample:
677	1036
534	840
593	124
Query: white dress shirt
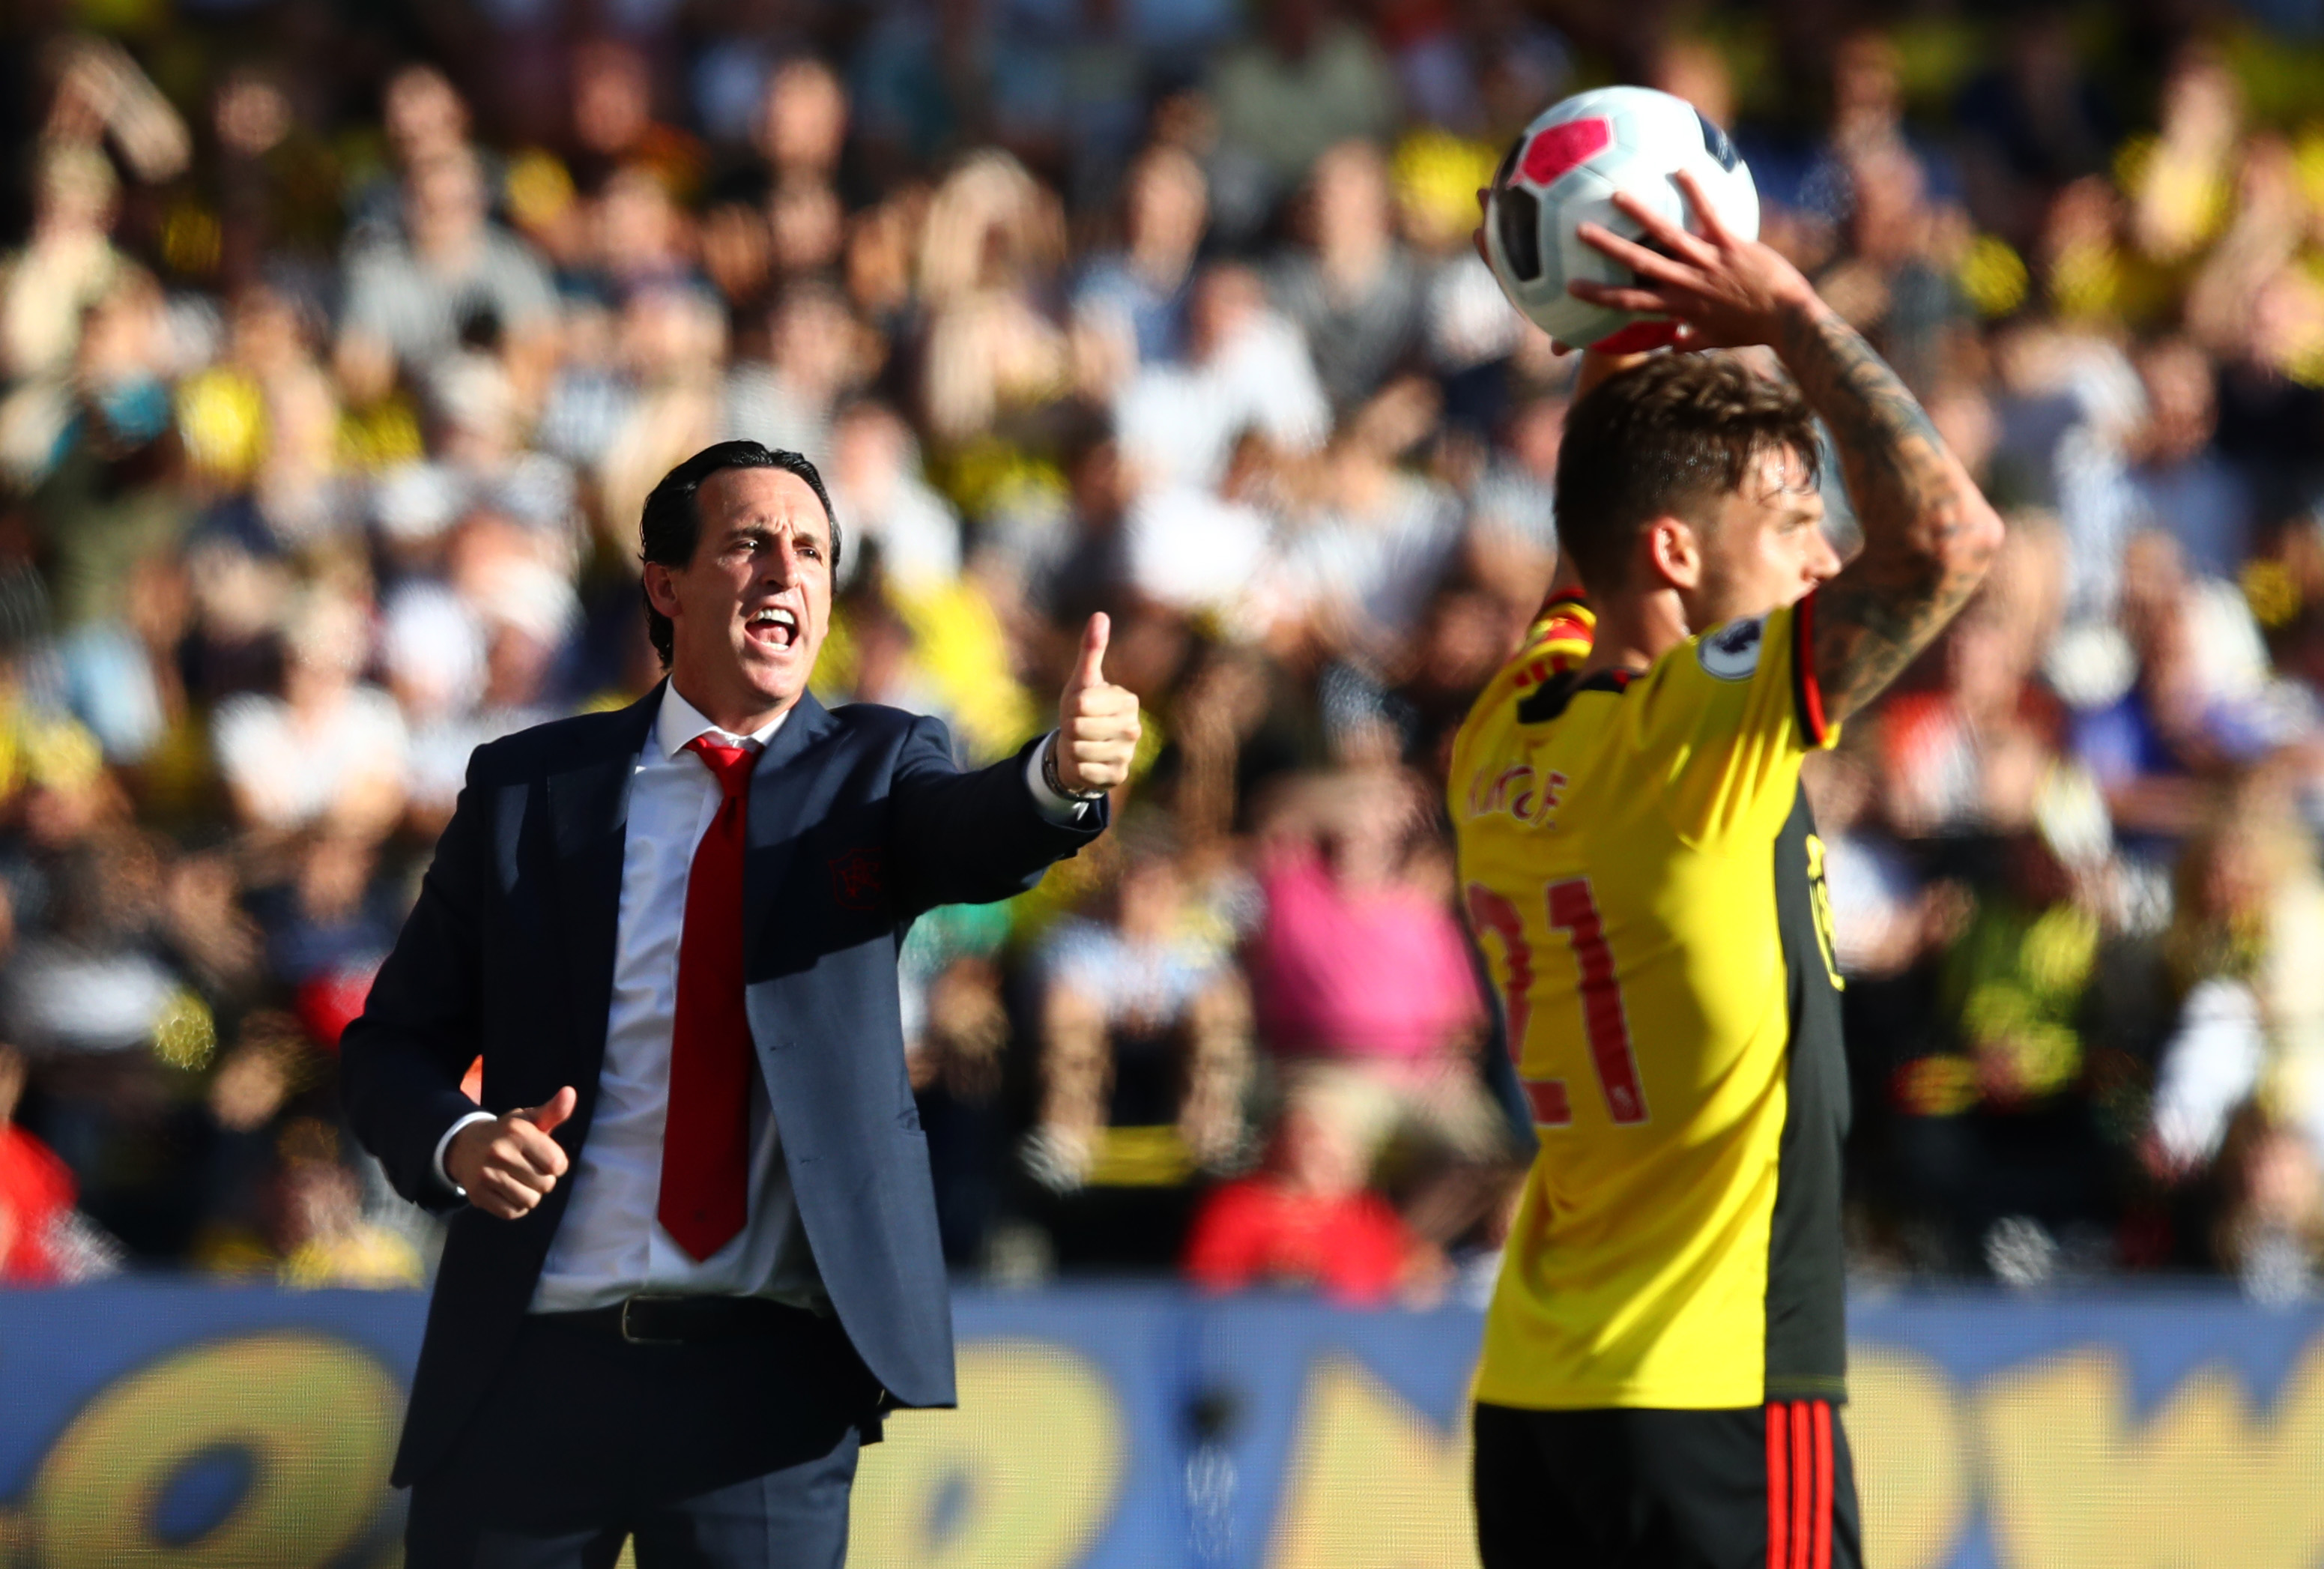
610	1244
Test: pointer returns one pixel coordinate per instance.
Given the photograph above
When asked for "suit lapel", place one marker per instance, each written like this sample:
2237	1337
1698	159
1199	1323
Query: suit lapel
589	809
775	814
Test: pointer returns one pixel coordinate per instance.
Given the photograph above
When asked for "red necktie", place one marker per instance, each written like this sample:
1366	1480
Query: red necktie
706	1146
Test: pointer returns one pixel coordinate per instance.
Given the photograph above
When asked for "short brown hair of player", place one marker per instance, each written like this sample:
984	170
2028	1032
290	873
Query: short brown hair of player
1660	440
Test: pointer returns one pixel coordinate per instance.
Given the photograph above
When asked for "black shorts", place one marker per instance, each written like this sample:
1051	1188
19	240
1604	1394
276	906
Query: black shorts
1761	1488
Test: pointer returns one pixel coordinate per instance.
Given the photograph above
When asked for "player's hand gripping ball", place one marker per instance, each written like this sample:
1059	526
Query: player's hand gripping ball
1564	171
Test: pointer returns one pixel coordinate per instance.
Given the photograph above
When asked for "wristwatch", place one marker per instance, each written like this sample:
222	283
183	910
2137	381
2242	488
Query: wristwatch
1050	777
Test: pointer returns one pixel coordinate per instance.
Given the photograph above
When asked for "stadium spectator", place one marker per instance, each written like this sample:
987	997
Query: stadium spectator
816	355
1353	289
2182	485
1364	993
956	1035
1144	1058
1310	78
613	123
1306	1220
448	275
68	263
330	750
36	1190
993	241
1379	538
1143	287
323	1236
1246	367
1512	528
1198	550
884	504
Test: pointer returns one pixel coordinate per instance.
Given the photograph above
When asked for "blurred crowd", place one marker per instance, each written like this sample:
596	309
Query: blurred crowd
339	347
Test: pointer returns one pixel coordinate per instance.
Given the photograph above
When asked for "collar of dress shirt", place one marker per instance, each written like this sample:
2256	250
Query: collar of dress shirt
679	722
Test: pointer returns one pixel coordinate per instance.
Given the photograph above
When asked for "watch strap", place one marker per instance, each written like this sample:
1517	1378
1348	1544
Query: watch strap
1050	777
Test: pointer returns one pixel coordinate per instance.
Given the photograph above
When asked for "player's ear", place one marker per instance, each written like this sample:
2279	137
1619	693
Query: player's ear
660	592
1672	554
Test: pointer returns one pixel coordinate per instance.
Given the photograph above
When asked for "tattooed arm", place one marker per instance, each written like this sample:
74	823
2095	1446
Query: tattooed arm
1929	535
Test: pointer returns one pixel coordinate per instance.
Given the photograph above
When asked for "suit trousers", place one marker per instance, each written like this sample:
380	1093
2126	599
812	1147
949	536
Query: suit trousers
728	1454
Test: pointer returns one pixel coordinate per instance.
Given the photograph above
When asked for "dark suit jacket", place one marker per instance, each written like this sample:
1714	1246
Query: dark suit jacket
859	821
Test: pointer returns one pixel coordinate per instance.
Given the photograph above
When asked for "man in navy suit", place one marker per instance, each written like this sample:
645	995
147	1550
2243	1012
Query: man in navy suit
693	1251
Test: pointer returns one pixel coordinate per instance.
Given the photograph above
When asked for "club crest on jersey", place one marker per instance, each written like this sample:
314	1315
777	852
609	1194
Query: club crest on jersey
1732	652
857	880
1516	790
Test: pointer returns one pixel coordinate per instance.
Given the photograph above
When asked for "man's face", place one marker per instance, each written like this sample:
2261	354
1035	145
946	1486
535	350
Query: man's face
1766	547
749	612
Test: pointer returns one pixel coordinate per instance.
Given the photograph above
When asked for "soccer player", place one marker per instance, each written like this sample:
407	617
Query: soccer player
1665	1347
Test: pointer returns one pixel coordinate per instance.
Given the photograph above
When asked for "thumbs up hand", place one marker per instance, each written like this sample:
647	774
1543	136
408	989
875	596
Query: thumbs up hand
509	1164
1097	722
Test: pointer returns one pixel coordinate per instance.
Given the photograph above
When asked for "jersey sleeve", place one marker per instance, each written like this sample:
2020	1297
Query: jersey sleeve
1730	716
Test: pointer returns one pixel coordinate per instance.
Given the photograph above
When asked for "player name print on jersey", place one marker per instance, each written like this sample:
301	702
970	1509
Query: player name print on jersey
1515	789
1732	652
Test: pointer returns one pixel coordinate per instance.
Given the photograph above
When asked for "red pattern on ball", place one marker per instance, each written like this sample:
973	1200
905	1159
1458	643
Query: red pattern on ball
1639	337
1560	147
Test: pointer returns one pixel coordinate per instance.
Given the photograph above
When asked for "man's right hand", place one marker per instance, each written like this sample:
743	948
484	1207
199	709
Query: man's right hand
507	1165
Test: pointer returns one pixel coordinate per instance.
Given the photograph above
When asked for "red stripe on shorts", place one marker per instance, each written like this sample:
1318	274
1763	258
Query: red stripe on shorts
1803	1481
1779	1487
1823	1558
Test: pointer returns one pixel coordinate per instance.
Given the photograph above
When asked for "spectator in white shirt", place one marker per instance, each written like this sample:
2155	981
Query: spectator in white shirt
882	500
330	750
411	298
1246	367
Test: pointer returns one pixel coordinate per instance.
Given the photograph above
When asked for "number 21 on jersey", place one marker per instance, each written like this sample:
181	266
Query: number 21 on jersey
1573	910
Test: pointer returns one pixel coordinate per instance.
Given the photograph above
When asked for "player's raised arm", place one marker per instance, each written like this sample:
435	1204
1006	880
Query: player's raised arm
1929	535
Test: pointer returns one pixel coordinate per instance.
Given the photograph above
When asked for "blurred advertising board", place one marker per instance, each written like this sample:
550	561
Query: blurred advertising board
177	1427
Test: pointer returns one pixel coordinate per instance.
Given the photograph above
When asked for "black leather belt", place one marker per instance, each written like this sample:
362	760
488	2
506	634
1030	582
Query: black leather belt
652	1319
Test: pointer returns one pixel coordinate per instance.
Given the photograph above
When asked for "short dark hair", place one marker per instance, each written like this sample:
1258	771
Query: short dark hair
1660	440
672	525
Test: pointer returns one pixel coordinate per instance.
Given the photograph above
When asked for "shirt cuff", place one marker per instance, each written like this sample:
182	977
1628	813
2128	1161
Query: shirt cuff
1057	808
446	1143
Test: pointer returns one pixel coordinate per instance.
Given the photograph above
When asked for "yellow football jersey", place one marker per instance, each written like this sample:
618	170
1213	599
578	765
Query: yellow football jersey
1639	866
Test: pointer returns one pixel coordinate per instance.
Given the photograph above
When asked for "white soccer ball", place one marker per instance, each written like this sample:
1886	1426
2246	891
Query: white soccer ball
1565	171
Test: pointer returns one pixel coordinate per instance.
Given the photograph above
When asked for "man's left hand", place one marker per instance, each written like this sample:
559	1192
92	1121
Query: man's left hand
1724	291
1097	721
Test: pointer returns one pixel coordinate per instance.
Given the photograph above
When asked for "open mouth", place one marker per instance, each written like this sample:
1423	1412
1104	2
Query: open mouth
772	626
